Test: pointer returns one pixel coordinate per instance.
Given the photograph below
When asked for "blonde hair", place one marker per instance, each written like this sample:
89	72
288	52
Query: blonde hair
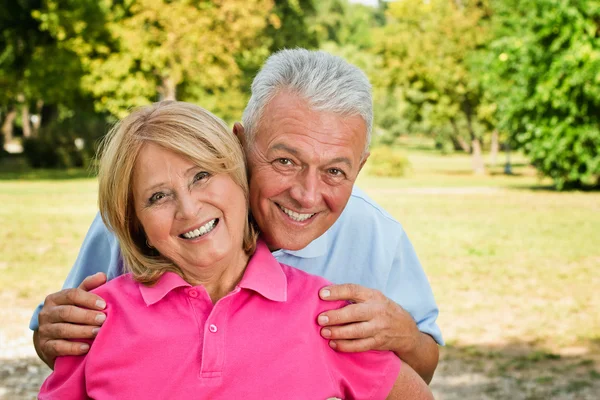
185	129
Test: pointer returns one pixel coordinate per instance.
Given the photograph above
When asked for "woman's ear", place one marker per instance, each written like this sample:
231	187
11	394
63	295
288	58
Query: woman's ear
238	131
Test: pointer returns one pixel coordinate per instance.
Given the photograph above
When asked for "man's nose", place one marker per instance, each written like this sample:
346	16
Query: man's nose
305	190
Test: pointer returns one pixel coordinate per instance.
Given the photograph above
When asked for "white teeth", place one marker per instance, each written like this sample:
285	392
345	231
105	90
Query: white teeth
294	215
203	230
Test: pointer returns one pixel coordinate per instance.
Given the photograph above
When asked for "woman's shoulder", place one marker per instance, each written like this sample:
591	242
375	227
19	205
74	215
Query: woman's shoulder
304	287
118	289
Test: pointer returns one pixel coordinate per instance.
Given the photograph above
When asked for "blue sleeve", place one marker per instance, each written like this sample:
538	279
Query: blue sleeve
99	253
408	285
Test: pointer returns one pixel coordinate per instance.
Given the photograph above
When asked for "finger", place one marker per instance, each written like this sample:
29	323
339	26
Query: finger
74	315
352	313
353	346
361	330
60	331
57	348
93	281
77	297
347	291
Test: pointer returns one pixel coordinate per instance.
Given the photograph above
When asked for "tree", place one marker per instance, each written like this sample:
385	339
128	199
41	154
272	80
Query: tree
424	48
543	70
156	46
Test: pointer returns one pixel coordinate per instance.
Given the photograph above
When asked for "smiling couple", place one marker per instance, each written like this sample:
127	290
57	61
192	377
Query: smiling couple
207	301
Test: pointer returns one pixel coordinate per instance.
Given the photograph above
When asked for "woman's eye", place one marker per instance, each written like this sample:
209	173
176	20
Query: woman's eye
200	176
156	197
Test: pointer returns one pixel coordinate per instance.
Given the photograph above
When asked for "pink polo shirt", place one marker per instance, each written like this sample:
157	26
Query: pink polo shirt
261	341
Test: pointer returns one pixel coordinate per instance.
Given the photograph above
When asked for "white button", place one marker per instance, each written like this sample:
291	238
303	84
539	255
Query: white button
212	328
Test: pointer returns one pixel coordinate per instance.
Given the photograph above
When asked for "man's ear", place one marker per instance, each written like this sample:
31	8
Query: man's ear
238	131
364	161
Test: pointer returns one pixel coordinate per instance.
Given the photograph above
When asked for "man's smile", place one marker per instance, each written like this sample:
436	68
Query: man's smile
298	217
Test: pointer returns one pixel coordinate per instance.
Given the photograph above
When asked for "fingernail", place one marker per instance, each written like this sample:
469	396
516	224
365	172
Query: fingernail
100	318
326	333
100	304
95	331
325	293
84	347
323	319
332	344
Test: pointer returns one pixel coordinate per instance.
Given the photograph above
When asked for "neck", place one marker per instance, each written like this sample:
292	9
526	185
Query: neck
221	279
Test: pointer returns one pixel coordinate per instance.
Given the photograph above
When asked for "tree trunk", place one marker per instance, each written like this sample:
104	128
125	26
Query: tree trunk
8	124
494	148
25	120
37	118
457	141
478	164
168	90
477	157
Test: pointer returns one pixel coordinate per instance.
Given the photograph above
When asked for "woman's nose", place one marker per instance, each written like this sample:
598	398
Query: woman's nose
187	207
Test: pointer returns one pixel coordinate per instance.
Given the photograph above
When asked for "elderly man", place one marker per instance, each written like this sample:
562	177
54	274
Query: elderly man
306	132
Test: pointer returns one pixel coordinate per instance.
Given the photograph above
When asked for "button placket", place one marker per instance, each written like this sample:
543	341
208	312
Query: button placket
213	354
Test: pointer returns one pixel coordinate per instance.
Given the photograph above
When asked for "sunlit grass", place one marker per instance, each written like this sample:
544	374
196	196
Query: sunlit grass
512	262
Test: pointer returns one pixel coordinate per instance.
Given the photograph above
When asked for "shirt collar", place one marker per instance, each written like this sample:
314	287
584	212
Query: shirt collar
263	275
316	248
167	282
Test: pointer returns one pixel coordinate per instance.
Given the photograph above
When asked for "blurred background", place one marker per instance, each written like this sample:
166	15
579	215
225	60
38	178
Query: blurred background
486	147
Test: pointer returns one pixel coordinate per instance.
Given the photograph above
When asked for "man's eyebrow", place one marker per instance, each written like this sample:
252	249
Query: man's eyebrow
284	147
344	160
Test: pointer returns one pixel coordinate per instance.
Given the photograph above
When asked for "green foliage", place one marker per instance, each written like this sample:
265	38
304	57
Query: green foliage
68	141
424	49
145	50
345	23
289	26
385	161
543	71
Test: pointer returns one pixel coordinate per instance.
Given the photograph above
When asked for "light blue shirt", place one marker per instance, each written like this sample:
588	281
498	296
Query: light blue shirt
366	245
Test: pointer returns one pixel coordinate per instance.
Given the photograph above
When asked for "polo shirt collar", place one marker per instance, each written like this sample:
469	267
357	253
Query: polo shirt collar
316	248
263	275
167	282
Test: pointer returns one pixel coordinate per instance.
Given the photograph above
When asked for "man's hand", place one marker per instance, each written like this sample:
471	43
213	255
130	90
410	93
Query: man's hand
69	314
374	322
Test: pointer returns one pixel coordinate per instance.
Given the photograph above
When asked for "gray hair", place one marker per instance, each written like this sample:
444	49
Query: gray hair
326	82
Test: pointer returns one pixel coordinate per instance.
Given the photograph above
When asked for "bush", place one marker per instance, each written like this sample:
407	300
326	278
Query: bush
384	161
542	69
65	144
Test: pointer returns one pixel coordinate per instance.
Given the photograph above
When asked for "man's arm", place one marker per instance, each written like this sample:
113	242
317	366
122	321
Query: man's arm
402	319
409	385
69	314
374	322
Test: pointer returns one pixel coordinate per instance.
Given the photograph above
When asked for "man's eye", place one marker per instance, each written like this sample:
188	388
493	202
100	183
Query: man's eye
336	172
284	161
200	176
156	197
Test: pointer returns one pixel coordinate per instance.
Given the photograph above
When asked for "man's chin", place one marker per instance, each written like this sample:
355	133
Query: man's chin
285	241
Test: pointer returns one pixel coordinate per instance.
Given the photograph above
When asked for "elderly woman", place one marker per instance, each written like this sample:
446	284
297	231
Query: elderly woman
205	311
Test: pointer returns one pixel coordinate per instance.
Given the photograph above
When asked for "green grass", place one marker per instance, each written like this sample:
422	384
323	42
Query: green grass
513	263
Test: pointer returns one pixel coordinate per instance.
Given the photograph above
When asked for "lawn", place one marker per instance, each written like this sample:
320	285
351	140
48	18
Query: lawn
513	264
